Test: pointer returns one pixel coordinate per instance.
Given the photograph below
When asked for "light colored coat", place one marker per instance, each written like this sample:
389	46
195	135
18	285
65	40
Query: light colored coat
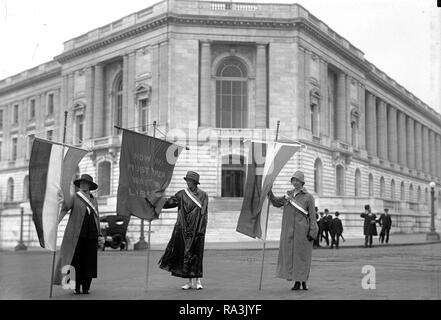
72	232
295	252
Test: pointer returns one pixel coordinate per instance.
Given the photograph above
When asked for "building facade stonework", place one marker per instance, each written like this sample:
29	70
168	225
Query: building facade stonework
212	75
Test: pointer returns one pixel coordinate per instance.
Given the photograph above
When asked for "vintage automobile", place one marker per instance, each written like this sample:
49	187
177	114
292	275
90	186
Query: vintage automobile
114	231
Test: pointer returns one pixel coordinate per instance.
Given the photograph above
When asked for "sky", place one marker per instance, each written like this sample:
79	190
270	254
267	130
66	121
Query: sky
395	35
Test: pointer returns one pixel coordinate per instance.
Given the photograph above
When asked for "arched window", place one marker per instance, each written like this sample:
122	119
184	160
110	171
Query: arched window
392	189
402	192
104	178
26	188
231	94
371	185
233	176
118	102
382	188
318	176
419	195
143	103
10	190
411	199
357	191
340	173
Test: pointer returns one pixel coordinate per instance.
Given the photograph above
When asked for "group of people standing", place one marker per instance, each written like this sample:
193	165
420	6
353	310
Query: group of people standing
329	226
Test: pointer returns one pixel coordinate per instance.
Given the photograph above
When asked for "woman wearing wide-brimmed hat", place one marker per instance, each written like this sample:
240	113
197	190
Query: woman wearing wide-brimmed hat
81	236
299	230
184	254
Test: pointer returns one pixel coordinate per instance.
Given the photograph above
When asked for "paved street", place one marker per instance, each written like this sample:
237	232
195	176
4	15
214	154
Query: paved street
402	272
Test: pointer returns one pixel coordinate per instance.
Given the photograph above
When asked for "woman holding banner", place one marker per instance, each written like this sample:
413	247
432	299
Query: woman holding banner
81	237
184	254
299	229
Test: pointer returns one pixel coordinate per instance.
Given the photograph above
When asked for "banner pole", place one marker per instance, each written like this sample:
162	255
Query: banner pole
56	226
266	224
150	229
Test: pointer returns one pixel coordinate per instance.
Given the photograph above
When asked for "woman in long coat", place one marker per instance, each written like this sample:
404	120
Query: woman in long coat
184	254
369	226
81	236
299	229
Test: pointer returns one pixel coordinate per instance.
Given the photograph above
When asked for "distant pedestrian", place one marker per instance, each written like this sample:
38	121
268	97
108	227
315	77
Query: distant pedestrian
385	222
369	226
316	243
336	230
326	225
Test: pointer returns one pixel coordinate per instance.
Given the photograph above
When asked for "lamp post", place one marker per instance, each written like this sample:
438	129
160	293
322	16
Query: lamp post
141	244
21	246
432	235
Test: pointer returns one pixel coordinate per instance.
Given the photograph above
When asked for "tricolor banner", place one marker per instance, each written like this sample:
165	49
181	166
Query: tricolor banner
51	170
260	177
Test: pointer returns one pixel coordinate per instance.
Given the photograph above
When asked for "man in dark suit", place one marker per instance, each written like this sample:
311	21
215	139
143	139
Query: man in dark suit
385	222
336	230
369	226
326	224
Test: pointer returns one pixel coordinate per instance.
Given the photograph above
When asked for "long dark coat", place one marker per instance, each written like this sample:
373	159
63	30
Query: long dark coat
295	252
385	221
336	226
72	232
184	254
369	226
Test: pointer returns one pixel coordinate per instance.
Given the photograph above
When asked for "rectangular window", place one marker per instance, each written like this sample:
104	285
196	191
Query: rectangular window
50	104
143	115
79	127
14	148
50	135
30	141
15	119
1	119
32	109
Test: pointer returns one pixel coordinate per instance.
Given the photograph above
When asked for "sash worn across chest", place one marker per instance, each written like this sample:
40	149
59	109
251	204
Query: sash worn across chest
193	198
89	204
296	205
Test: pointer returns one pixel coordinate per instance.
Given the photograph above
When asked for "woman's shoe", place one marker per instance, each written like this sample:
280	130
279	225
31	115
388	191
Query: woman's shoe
199	285
187	286
296	286
304	287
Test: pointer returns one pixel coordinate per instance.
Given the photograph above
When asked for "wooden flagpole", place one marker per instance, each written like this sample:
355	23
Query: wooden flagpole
266	223
56	227
150	229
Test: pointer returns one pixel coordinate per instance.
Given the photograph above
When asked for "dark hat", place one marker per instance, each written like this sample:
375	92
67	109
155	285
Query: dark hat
367	207
86	178
386	209
192	176
298	175
337	213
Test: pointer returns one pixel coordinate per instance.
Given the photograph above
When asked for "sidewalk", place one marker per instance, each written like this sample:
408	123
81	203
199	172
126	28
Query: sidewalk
394	240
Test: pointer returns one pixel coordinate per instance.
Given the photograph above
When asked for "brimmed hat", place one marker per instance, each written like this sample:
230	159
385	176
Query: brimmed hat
192	176
86	178
298	175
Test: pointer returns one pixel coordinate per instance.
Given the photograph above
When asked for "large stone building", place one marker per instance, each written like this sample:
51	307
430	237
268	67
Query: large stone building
213	74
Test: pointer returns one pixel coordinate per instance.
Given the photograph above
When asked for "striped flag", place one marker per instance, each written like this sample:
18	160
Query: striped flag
262	170
51	169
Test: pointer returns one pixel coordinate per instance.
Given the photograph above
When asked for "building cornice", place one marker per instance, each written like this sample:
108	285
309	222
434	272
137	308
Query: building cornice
31	80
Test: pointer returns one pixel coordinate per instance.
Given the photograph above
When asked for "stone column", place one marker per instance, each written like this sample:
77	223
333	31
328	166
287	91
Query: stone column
155	83
261	94
301	89
341	107
205	94
163	89
426	151
438	155
362	120
418	147
130	108
432	157
371	124
324	105
402	143
125	93
410	139
382	130
88	134
98	105
392	134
